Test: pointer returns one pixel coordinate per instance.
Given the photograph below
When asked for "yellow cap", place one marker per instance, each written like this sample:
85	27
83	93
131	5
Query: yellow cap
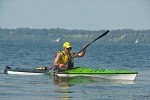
67	45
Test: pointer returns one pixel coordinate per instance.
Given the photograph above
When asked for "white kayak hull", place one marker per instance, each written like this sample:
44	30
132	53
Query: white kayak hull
23	73
103	76
17	71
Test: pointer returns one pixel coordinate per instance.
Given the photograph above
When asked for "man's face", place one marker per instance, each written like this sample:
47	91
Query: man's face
67	50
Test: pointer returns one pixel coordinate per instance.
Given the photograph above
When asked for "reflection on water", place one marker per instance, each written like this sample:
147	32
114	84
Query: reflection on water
64	85
64	93
68	87
66	82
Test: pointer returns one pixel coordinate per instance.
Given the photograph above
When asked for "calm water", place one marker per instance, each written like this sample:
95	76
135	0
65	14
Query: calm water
43	87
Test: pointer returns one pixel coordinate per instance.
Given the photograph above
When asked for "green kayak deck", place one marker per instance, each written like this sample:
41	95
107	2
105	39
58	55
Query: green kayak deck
97	71
101	73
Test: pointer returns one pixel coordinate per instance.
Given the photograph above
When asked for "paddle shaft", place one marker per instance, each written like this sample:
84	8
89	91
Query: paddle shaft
88	45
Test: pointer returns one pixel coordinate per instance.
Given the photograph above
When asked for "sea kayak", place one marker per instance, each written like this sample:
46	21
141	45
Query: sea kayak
78	71
101	73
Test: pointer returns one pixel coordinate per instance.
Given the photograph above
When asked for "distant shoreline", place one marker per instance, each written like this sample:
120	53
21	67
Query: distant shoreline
53	34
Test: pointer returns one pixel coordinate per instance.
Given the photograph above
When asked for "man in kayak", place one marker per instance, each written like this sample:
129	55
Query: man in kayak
62	61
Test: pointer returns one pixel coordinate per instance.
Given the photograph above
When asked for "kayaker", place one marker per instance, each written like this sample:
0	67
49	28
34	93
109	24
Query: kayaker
64	55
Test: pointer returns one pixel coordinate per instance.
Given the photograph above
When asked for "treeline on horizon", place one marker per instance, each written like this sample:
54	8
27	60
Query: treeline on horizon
115	36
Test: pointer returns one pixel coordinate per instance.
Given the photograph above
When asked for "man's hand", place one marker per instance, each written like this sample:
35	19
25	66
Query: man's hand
62	67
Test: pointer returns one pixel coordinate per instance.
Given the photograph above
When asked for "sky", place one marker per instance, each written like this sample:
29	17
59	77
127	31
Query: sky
75	14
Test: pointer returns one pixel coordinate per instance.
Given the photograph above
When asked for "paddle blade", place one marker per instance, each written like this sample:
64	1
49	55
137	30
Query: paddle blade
97	38
102	35
93	41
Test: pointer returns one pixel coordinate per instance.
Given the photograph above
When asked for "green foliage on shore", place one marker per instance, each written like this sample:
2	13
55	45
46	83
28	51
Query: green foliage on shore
52	35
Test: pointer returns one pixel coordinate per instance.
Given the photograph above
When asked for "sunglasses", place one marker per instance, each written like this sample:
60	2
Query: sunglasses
69	48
